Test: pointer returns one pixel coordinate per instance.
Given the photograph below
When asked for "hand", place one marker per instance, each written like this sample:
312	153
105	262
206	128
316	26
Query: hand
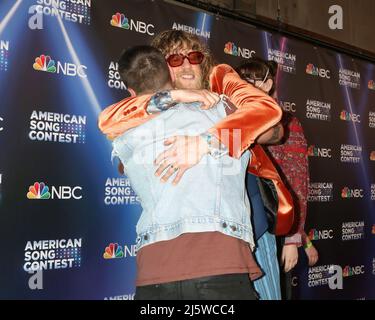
207	98
272	135
289	257
312	255
184	153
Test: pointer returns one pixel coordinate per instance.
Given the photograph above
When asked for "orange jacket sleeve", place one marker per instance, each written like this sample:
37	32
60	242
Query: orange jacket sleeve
262	166
256	113
124	115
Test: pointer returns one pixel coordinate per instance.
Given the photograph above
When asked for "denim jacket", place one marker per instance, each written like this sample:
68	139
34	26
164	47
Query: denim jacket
211	196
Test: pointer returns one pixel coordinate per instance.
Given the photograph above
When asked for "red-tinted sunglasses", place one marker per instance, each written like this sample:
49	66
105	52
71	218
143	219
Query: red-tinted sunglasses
194	57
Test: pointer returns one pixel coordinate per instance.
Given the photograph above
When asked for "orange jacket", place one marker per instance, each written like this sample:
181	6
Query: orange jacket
256	113
262	166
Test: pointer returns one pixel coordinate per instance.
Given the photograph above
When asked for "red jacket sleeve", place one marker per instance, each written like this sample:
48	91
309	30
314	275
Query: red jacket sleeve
256	111
124	115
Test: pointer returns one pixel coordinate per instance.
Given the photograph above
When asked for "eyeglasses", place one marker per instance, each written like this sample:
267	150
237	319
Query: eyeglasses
194	57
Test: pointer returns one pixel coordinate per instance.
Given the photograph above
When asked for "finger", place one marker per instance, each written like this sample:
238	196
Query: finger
170	141
161	168
312	261
200	96
210	98
205	103
178	177
215	96
164	156
171	171
288	266
293	264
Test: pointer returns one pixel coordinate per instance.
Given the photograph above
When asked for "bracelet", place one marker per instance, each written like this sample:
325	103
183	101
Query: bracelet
160	101
215	152
308	245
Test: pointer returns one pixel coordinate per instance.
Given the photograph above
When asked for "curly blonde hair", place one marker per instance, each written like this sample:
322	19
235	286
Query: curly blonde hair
169	41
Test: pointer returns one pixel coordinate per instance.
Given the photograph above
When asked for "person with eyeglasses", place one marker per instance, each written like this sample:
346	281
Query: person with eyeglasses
291	159
215	262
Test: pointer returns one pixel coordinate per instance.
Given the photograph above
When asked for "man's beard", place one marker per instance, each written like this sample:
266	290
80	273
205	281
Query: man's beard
195	83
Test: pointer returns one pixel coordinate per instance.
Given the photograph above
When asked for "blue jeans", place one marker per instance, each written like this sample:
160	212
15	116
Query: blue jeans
268	287
221	287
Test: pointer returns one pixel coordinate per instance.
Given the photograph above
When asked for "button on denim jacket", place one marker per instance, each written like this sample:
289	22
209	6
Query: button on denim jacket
211	196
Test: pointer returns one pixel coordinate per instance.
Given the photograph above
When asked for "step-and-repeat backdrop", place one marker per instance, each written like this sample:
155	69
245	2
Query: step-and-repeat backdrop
67	218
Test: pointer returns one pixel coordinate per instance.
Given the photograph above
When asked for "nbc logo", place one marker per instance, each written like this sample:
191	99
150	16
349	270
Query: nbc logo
314	151
372	155
315	71
288	106
353	271
351	193
320	234
371	84
113	251
119	20
44	63
232	49
38	191
346	116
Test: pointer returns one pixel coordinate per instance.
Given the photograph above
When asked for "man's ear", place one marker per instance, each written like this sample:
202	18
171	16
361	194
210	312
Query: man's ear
267	86
132	92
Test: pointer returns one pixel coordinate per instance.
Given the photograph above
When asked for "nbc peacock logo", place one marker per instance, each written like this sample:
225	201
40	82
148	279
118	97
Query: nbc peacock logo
313	234
119	20
44	63
310	69
312	151
344	115
38	191
230	48
345	193
113	251
347	272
